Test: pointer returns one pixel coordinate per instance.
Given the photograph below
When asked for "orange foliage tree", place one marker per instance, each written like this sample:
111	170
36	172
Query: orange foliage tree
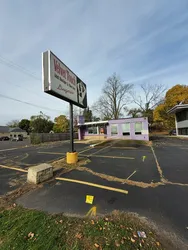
174	96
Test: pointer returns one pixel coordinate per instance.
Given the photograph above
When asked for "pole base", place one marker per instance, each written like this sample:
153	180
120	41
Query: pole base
72	157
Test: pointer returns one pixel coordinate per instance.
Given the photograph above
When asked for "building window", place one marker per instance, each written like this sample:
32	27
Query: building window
138	128
114	130
182	131
182	115
92	130
126	129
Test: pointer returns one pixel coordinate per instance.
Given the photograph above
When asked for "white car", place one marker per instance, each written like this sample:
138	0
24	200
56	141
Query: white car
17	138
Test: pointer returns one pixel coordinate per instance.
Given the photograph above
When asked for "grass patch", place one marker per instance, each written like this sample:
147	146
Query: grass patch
32	230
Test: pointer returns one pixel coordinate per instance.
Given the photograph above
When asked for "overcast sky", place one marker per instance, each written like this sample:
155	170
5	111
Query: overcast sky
140	40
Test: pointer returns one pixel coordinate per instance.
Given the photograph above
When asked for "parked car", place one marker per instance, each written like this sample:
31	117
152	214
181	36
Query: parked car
172	132
4	138
17	138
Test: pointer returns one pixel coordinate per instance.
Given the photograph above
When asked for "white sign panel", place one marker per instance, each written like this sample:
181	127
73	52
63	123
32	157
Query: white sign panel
60	81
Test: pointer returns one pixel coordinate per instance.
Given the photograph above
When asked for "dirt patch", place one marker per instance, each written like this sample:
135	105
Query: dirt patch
120	180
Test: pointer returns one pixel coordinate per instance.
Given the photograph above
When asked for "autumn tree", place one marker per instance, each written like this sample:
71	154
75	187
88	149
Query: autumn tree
149	96
41	123
61	124
174	96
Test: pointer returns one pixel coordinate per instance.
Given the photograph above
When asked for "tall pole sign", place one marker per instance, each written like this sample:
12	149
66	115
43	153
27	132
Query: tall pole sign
61	82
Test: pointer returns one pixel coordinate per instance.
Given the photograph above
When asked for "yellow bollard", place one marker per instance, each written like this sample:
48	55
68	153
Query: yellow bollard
72	157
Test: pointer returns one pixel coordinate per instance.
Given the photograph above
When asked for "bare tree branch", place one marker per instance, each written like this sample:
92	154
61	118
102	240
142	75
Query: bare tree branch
114	97
152	93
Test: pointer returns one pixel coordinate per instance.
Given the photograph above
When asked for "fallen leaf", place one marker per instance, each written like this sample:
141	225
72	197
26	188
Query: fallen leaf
79	235
140	244
92	222
117	243
61	221
135	235
14	205
121	226
106	219
142	241
96	245
157	243
132	240
31	235
122	241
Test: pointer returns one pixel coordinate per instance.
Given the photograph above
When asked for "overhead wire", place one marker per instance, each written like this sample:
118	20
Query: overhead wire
28	103
18	67
21	69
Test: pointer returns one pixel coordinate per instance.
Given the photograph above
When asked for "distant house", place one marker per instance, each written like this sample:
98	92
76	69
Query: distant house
12	132
4	131
181	119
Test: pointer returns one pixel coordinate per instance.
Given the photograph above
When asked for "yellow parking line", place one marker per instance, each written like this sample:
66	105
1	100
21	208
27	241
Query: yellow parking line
8	149
101	149
93	185
87	149
109	156
51	153
13	168
125	147
131	175
26	155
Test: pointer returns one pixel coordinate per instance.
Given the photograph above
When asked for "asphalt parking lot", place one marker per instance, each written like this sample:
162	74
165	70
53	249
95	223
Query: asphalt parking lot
151	181
13	144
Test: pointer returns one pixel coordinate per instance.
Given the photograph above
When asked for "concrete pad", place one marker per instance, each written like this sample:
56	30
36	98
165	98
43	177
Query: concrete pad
39	173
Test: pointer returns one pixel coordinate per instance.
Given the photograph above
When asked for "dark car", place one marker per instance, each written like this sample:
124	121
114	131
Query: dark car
172	132
4	138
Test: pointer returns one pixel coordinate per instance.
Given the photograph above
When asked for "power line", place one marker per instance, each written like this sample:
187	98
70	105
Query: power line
21	69
23	88
18	67
28	103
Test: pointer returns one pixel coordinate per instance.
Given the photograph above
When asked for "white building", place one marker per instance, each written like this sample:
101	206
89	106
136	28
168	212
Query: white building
181	118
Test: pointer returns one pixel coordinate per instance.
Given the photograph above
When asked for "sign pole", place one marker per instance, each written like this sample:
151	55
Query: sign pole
71	127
